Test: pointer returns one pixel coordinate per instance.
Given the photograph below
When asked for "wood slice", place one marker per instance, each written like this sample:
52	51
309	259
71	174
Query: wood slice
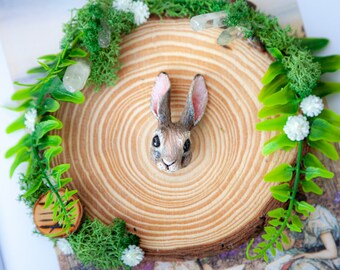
43	217
219	200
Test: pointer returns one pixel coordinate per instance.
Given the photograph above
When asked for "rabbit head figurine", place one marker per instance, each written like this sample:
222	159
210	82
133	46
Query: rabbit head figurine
170	145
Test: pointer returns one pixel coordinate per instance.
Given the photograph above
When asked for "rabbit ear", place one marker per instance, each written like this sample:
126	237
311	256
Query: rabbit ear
160	99
196	103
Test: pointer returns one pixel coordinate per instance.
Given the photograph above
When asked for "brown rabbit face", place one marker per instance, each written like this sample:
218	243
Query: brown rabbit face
171	148
171	145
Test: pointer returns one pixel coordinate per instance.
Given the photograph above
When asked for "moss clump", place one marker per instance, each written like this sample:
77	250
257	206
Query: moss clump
86	24
184	8
100	246
301	69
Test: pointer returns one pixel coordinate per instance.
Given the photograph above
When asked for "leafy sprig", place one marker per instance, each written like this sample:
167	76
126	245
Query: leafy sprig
39	148
280	102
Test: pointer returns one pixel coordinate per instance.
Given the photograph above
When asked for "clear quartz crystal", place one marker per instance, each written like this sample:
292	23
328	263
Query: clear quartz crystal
104	36
230	34
209	20
76	75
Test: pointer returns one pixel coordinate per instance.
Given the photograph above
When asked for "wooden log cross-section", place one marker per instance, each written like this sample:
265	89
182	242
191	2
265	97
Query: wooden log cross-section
219	200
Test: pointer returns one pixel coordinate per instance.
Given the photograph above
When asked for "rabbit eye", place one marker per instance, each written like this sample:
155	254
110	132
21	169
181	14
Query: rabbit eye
186	146
155	141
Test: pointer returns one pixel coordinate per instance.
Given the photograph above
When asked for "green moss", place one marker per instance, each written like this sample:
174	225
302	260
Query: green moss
101	246
303	72
184	8
87	23
301	69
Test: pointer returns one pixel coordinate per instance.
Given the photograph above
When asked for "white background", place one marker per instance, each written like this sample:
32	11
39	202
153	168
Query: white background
36	28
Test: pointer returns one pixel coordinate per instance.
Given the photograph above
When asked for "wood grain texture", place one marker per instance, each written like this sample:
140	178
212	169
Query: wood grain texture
219	200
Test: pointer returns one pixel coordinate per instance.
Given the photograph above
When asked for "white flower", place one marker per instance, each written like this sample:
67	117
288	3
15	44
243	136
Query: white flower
297	127
30	120
123	5
65	246
138	8
311	105
132	255
141	12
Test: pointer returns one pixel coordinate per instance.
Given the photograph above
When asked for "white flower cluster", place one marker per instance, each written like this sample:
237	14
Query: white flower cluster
65	246
297	127
138	8
30	120
132	255
311	106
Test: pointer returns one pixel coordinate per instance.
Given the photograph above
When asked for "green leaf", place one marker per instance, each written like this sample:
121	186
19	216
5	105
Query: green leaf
274	86
78	53
275	222
273	251
281	192
313	172
270	230
329	63
49	199
297	222
314	44
273	124
281	97
16	125
293	228
290	108
330	117
309	160
49	105
284	239
22	107
279	246
277	213
326	88
266	237
282	173
45	66
65	181
274	70
310	186
50	140
60	93
304	206
69	193
22	156
24	143
66	63
276	53
44	127
325	148
265	257
33	188
22	94
48	57
52	152
60	169
323	130
36	70
276	143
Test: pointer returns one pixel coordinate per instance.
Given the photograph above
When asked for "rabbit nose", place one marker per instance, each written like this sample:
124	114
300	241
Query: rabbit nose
168	164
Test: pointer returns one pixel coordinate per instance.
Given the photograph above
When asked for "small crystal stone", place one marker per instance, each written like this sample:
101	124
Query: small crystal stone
229	35
208	20
76	75
104	36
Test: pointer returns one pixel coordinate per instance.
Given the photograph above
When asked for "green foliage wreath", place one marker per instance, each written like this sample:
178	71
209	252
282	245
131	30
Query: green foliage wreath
292	77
